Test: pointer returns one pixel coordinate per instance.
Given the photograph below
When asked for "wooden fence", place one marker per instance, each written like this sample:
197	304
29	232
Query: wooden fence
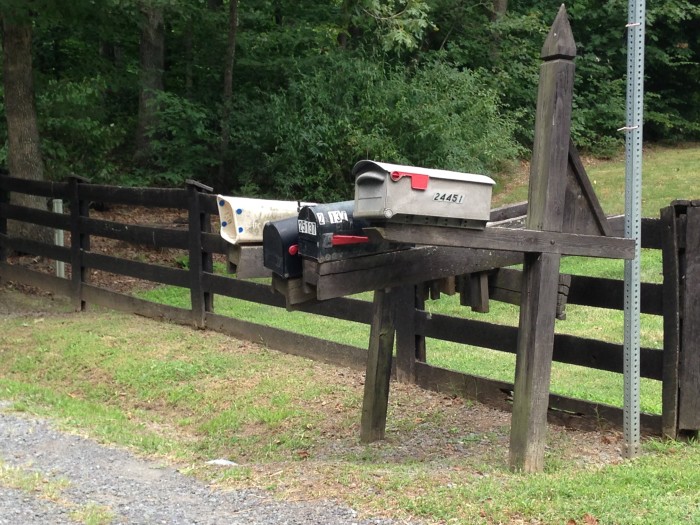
675	233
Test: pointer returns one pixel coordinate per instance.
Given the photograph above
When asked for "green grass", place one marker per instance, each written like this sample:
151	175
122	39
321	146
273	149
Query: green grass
187	396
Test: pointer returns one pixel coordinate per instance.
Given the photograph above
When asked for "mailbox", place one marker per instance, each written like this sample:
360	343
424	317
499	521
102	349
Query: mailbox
330	232
281	248
390	192
242	219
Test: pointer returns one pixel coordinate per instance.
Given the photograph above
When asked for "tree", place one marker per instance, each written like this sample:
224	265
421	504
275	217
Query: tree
24	152
225	166
152	60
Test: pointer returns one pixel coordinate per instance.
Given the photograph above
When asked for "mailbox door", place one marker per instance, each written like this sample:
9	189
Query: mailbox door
281	248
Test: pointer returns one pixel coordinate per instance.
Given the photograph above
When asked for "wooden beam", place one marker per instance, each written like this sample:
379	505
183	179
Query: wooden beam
381	345
545	212
247	261
516	240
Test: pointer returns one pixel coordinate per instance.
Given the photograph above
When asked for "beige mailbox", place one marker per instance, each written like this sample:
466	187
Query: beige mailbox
242	219
390	192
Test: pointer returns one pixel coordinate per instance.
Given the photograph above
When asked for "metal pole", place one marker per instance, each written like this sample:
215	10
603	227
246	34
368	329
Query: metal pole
58	239
633	221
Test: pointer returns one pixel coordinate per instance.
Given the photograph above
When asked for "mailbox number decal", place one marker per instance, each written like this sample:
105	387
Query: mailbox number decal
457	198
307	227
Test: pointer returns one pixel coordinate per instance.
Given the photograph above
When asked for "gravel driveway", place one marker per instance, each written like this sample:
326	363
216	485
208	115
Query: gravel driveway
132	489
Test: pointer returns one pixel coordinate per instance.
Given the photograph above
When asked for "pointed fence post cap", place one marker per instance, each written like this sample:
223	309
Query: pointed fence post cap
560	41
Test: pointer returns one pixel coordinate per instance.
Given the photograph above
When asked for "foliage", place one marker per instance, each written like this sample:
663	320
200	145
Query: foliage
350	109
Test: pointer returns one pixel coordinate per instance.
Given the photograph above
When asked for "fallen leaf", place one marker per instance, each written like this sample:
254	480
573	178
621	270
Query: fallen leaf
589	520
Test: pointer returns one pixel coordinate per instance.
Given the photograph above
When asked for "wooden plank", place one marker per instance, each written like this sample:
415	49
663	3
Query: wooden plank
609	293
80	244
590	353
41	188
652	231
199	260
35	216
340	278
247	261
290	342
50	251
214	243
342	308
208	203
139	270
689	359
45	281
292	290
408	342
134	305
516	240
562	410
582	210
149	197
510	211
479	292
134	233
671	313
377	377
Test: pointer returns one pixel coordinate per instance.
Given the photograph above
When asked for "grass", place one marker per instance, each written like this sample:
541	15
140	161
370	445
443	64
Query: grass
291	425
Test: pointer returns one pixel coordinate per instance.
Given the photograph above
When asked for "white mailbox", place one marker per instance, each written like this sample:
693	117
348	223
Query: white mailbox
242	219
421	195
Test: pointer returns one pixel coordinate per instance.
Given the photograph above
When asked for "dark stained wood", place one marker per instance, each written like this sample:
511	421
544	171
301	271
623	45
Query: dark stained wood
582	210
523	240
44	281
4	200
200	261
41	188
80	244
377	377
652	231
35	216
208	203
247	261
546	198
413	266
671	313
479	292
134	233
510	211
293	290
408	342
151	197
127	303
290	342
50	251
138	270
214	243
689	359
609	293
562	410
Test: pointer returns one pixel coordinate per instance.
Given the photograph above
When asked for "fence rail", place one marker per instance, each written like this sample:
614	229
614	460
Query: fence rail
201	244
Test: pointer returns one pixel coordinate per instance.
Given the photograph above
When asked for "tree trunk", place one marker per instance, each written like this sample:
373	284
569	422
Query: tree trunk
227	95
498	11
24	152
152	59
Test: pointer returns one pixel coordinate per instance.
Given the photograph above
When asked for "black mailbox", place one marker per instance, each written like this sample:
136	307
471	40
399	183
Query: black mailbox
281	248
329	232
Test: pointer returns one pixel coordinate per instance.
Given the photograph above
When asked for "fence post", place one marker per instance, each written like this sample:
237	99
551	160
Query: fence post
689	357
671	312
540	282
409	345
377	378
4	199
199	221
79	241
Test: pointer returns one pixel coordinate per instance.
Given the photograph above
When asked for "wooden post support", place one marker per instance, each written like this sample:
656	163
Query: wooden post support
199	221
381	346
409	345
547	192
79	242
689	359
671	311
4	199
